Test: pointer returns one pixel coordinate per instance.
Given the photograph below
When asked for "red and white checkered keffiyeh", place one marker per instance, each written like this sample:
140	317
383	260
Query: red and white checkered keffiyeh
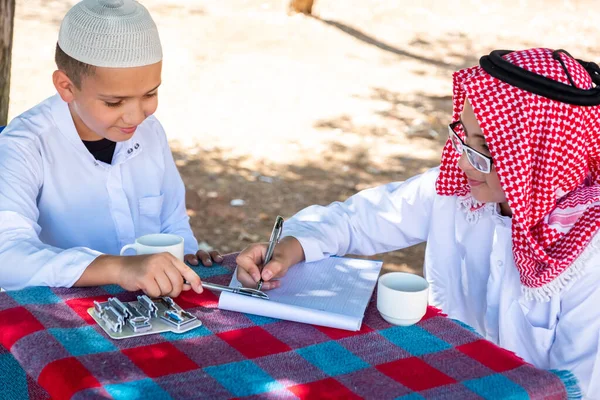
543	151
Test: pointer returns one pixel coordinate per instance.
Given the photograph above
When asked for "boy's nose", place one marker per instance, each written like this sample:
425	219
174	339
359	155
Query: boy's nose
134	115
464	164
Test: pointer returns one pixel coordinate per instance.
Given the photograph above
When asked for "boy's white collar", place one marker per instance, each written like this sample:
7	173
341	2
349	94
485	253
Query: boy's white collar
64	122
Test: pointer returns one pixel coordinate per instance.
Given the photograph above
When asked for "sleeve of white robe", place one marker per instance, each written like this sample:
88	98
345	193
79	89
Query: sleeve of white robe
577	337
24	259
174	218
376	220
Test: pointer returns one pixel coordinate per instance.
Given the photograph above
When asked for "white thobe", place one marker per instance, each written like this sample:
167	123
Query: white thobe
470	269
60	208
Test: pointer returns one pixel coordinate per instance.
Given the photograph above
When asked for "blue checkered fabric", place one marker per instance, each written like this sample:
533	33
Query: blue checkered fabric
50	347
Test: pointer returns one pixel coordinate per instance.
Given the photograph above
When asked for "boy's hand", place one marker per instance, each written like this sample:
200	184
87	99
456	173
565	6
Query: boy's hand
158	275
287	253
206	258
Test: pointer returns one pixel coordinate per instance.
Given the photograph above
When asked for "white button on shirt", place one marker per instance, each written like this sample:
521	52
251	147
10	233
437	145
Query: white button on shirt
470	268
60	208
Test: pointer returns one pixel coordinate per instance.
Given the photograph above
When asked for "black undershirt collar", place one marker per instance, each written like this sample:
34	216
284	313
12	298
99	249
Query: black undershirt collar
102	150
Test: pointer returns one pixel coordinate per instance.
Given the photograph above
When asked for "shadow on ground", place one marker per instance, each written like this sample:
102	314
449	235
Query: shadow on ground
437	45
283	190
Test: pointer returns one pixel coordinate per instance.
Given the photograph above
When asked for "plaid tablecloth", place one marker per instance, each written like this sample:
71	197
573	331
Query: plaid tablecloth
50	347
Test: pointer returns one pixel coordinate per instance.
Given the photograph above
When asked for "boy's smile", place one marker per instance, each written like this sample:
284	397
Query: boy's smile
112	102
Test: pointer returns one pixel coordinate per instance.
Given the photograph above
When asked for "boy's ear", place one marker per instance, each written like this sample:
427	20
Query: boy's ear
64	86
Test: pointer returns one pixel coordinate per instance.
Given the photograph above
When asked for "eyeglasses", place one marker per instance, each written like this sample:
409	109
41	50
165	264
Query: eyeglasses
479	161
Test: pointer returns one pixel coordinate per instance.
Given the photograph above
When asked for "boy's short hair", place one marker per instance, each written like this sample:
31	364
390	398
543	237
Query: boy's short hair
74	69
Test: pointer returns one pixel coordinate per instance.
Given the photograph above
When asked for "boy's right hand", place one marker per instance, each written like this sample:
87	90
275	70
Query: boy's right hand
157	275
287	253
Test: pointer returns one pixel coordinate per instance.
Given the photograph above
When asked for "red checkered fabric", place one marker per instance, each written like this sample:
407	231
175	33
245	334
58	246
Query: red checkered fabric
50	349
543	150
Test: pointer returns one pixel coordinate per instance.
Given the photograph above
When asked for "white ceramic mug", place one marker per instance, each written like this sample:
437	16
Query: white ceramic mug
157	243
402	298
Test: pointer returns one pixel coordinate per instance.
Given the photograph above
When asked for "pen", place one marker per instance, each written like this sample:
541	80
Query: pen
240	290
275	235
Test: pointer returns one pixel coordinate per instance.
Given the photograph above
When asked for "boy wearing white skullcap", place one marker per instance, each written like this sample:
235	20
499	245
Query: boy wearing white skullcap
89	170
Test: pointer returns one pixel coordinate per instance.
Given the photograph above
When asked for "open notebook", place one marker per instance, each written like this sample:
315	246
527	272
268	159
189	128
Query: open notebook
332	292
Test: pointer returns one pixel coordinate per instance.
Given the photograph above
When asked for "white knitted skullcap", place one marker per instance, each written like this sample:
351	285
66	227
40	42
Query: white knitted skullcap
110	33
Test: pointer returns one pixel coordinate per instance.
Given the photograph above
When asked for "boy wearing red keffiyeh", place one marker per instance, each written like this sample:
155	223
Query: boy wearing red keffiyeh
510	217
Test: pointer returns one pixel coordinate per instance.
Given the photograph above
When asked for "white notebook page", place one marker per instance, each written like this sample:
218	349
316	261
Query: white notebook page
332	292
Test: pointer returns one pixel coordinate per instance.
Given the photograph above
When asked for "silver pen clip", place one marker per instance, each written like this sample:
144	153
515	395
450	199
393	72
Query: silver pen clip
239	290
259	294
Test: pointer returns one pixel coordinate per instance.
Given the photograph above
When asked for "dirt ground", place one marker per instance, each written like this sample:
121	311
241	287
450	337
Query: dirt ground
286	111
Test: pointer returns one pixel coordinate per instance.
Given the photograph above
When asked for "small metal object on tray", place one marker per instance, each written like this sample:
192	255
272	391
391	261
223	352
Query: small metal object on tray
147	306
111	317
176	315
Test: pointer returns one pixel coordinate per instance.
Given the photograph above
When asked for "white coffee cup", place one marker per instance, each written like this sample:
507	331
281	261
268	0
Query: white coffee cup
402	298
157	243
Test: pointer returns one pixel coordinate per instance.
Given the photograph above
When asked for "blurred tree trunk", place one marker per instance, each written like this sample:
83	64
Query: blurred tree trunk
7	17
300	6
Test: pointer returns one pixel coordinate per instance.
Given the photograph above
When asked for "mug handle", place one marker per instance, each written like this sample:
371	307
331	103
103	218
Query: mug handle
127	247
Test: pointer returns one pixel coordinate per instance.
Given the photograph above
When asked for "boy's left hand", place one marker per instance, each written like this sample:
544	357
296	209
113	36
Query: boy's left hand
206	258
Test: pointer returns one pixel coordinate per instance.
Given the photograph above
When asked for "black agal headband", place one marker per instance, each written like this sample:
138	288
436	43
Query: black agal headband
516	76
